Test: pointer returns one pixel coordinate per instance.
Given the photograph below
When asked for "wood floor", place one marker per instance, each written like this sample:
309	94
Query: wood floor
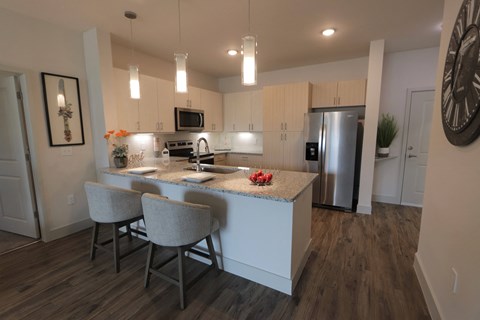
10	241
360	268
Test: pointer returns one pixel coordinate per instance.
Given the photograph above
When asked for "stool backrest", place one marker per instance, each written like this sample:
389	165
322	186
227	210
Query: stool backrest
110	204
175	223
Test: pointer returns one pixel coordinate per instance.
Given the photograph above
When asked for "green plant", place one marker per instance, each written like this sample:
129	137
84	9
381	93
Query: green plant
386	131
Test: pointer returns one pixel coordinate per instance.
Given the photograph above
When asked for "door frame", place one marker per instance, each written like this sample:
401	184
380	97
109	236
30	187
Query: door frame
406	127
24	80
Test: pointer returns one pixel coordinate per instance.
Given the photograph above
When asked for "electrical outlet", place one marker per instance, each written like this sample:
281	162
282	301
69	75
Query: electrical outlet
71	199
455	281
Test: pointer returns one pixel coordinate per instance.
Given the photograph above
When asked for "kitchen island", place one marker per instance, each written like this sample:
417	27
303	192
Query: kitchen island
264	231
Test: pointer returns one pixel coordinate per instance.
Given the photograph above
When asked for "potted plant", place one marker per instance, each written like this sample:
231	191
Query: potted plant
120	149
386	131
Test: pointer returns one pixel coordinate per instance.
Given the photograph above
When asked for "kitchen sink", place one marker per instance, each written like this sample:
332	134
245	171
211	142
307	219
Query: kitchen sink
214	169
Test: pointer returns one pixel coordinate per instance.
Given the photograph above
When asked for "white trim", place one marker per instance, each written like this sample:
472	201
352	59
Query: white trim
406	126
428	294
385	199
67	230
364	209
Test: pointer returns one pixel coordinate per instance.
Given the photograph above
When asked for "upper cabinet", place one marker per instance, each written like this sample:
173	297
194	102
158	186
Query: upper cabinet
212	104
154	111
284	106
166	118
191	99
339	94
243	111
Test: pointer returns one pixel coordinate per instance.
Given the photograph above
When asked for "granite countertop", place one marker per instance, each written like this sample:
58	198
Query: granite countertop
286	185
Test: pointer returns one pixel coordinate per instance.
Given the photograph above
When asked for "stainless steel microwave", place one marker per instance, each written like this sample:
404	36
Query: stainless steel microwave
189	119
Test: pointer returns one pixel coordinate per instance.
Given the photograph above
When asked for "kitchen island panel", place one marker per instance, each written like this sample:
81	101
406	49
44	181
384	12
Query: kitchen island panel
259	239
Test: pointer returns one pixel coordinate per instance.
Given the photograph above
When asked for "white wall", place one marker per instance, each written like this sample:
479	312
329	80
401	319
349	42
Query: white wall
414	69
159	68
449	233
340	70
33	47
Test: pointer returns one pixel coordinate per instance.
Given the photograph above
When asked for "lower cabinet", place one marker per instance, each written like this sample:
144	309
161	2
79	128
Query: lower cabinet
283	150
220	159
245	160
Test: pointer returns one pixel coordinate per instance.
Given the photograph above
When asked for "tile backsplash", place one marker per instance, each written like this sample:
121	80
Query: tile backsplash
242	141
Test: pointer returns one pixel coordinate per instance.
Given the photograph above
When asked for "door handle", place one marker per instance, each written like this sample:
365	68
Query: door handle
412	156
410	148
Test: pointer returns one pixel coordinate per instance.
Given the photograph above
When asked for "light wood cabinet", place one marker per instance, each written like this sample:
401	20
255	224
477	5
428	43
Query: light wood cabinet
243	111
212	104
220	159
166	117
191	99
283	150
339	94
245	160
136	115
284	106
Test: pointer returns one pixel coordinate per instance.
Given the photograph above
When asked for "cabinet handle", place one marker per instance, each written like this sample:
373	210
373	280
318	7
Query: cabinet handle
285	137
234	127
161	126
138	125
252	126
285	126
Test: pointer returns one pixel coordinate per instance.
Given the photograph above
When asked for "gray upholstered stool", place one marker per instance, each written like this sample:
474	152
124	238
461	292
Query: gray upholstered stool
181	225
115	206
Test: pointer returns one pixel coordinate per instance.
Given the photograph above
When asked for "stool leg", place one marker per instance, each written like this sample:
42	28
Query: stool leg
116	248
211	250
93	248
181	276
150	258
129	232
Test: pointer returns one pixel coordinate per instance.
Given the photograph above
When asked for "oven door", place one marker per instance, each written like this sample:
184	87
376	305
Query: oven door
189	119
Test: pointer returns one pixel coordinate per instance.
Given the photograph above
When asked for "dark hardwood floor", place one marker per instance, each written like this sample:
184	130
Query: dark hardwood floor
10	241
360	268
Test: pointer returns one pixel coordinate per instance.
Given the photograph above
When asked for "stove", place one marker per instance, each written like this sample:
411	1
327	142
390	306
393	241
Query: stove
184	148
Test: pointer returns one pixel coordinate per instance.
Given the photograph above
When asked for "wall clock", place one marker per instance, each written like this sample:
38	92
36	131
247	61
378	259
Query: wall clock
461	78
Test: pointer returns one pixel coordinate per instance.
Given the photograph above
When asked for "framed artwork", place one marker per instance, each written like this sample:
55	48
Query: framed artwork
63	109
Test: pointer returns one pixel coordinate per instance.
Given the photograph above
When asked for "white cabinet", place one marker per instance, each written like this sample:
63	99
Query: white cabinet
339	94
243	111
245	160
283	150
212	104
191	99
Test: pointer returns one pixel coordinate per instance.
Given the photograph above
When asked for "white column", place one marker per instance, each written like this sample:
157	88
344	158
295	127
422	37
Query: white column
103	114
374	87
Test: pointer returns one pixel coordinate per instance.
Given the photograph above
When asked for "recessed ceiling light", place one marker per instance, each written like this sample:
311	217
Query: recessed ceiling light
232	52
328	32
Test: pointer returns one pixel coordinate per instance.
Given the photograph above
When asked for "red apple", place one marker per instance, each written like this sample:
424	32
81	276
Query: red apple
259	173
268	177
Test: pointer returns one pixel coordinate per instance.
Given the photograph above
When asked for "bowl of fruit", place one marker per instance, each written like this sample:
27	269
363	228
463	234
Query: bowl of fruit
260	178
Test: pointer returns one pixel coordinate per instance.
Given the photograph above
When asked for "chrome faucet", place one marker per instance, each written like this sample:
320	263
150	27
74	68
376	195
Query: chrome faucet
207	149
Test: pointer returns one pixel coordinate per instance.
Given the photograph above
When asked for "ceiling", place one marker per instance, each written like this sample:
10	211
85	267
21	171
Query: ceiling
289	31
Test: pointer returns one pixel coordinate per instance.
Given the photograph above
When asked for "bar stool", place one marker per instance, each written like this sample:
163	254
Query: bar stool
180	225
118	207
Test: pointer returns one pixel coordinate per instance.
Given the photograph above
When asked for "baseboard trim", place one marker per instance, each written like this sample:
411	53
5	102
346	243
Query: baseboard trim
425	285
64	231
364	209
385	199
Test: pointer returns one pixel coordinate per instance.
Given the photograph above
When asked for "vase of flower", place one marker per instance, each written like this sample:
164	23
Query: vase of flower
120	162
120	148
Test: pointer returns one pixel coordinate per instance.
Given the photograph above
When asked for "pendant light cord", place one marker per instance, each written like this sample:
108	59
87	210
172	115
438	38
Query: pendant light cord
131	40
248	16
179	26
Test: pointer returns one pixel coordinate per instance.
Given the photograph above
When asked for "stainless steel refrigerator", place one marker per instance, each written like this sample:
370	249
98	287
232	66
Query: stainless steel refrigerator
330	150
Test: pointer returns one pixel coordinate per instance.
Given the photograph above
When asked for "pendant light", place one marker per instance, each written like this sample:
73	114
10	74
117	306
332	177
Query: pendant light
249	63
132	68
180	61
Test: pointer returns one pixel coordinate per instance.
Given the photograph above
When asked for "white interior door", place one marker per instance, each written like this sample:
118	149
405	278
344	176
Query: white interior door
16	205
420	123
